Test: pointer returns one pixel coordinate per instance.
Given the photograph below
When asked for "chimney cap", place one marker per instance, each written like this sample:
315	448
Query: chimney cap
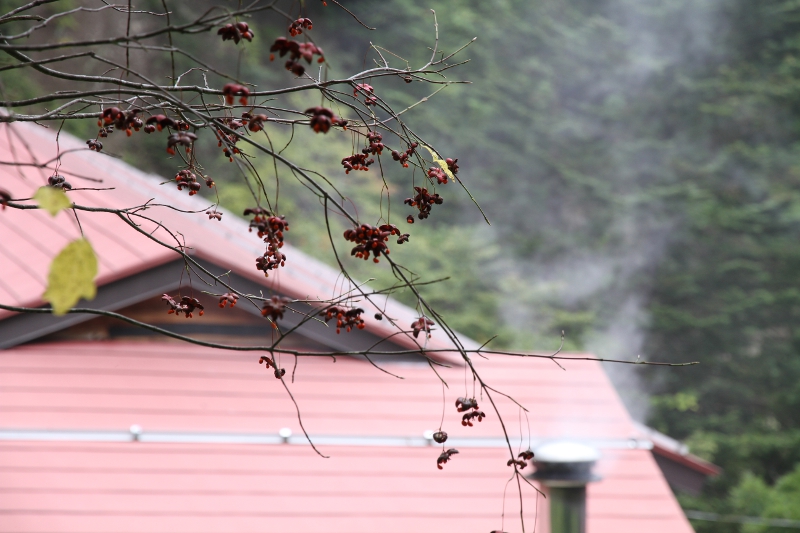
566	452
565	464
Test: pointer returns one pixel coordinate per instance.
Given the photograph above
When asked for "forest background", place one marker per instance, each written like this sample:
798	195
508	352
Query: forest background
639	161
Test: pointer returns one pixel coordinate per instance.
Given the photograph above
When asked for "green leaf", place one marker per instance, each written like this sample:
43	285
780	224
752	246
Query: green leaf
71	277
52	199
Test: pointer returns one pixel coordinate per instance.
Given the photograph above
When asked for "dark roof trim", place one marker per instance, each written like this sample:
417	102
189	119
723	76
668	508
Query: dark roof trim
688	460
22	328
676	451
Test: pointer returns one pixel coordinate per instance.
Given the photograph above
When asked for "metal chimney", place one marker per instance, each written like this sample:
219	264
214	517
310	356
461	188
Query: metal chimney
565	468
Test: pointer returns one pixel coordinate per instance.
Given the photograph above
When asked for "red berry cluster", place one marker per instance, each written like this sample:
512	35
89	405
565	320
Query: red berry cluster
228	298
267	224
187	305
440	437
471	405
123	120
159	122
422	324
214	215
279	372
348	318
360	161
372	239
424	202
438	174
466	420
5	197
58	182
465	404
271	259
254	123
271	228
375	143
184	139
322	119
227	141
452	164
403	156
94	145
235	123
236	32
356	162
367	91
186	179
232	90
444	457
527	455
296	28
296	51
274	308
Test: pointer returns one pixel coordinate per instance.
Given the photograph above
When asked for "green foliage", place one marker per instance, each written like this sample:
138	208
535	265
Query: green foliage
680	401
755	498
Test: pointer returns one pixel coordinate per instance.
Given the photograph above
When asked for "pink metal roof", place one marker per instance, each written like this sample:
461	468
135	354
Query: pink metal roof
102	388
150	486
32	238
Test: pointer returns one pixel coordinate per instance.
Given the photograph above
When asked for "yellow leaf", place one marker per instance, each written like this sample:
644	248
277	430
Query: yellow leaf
52	199
71	277
442	163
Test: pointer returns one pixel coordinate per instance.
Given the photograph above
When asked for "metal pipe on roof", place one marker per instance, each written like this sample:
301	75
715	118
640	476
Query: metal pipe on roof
565	468
284	436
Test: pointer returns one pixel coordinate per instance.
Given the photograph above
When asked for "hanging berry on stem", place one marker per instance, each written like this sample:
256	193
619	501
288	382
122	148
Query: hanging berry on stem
184	139
368	92
296	28
159	122
471	406
402	157
228	298
444	457
371	239
423	201
346	317
274	308
58	182
296	51
236	32
322	119
279	372
271	228
232	90
186	305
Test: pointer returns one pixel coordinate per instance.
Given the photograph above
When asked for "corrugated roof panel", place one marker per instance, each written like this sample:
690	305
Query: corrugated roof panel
20	282
558	404
141	486
286	488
